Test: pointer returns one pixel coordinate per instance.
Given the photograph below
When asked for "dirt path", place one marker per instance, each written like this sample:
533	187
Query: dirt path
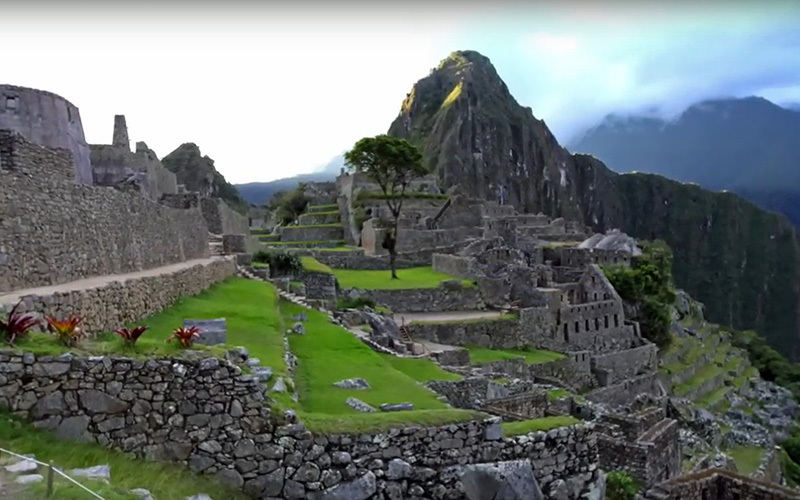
99	281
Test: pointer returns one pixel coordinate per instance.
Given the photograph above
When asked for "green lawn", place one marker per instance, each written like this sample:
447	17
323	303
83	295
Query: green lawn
248	307
557	394
421	370
415	277
480	355
165	481
502	317
328	353
747	458
537	424
312	264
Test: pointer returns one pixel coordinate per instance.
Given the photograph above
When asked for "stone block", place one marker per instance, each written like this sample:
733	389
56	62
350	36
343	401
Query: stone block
397	406
212	331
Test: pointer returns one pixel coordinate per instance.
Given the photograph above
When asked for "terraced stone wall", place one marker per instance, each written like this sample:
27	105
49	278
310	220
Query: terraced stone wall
55	231
208	416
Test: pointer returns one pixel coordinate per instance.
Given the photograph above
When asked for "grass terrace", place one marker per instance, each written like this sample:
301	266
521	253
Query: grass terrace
508	316
247	305
537	424
411	278
747	458
316	244
165	481
313	209
480	355
328	353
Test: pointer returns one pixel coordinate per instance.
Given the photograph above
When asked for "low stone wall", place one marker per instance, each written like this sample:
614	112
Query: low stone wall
112	305
55	231
493	333
423	299
455	265
239	243
573	371
358	260
413	239
722	484
624	392
770	468
205	414
320	286
312	233
527	405
709	385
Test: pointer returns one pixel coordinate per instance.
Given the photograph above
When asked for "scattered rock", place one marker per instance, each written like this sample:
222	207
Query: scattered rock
280	385
300	317
29	479
212	331
397	406
359	405
262	373
298	328
352	383
142	493
199	496
22	467
253	362
101	472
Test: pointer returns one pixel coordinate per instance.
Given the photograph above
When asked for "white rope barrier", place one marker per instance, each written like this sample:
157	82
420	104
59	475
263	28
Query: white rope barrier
51	468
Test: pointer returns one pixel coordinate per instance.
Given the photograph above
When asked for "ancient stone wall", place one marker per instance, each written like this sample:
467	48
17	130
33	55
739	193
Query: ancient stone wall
423	299
48	120
56	231
719	484
456	265
320	286
110	306
624	392
205	414
579	257
573	370
629	363
493	333
654	457
358	260
222	219
526	405
312	233
414	239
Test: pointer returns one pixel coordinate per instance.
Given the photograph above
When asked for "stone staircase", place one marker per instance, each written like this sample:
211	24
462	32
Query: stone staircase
215	245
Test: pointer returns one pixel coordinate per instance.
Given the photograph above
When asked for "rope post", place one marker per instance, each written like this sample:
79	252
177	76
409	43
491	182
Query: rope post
49	479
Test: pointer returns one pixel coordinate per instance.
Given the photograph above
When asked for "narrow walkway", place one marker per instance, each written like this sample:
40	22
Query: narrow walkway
445	316
100	281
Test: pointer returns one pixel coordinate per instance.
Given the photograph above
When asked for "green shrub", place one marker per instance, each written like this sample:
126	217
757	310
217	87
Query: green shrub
280	263
288	205
620	486
647	285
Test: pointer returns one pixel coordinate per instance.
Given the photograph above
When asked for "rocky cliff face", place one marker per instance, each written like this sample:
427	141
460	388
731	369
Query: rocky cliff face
742	262
197	173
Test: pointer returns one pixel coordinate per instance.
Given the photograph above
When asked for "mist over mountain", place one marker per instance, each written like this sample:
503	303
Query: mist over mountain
749	146
259	193
741	261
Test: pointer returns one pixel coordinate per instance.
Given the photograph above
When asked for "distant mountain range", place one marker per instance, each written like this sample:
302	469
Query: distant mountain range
259	193
749	146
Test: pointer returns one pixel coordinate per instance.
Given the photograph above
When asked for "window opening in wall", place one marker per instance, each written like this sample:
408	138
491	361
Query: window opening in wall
577	324
566	332
616	320
597	323
595	296
606	322
592	279
587	325
705	494
12	103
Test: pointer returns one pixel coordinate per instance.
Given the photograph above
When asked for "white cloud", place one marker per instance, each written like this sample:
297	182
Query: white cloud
265	92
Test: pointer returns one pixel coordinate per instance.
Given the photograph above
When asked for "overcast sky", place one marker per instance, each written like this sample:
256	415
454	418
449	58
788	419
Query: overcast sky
278	89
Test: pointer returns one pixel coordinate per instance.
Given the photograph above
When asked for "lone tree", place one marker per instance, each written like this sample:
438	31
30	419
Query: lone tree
391	163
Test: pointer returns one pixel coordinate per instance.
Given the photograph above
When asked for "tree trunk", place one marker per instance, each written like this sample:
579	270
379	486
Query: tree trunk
393	248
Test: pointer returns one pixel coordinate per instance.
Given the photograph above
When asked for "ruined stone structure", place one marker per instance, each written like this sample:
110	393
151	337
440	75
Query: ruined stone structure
58	231
644	444
140	171
48	120
719	483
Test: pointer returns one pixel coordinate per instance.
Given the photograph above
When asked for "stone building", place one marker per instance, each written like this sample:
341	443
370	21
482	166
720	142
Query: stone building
49	120
140	170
